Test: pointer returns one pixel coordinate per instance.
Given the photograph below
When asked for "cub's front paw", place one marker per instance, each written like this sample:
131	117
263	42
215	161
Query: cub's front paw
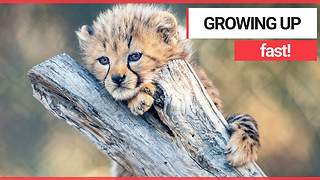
142	101
244	143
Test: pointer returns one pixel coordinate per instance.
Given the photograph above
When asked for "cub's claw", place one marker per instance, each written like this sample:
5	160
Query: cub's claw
140	103
143	100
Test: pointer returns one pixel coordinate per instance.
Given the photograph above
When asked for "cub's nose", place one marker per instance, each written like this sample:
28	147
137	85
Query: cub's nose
118	78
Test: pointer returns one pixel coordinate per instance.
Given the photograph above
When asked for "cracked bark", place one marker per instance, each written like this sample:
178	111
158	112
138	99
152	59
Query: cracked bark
183	135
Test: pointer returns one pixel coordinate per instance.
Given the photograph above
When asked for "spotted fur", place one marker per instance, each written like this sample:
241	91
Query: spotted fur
244	143
127	46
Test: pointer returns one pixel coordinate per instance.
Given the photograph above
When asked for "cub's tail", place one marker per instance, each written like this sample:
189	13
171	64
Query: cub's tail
244	143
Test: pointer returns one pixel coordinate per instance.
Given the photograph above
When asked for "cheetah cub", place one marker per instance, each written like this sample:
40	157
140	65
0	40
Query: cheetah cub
127	46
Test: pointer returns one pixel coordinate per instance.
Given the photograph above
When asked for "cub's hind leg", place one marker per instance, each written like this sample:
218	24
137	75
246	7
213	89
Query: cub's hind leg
244	143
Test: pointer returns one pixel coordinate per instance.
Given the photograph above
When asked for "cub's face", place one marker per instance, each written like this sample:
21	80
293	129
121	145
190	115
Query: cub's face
127	46
124	69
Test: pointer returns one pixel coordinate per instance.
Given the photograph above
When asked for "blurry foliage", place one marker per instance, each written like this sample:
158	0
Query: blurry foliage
284	97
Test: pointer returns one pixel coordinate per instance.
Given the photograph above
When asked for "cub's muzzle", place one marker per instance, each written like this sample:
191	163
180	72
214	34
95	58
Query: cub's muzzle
118	78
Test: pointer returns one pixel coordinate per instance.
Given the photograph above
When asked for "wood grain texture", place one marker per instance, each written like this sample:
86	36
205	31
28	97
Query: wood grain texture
186	137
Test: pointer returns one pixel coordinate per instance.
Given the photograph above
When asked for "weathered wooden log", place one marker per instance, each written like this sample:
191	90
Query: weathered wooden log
183	135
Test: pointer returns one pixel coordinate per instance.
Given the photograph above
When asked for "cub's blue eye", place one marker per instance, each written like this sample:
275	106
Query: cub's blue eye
135	57
103	60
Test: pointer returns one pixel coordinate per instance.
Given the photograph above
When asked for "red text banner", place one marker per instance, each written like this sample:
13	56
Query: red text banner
275	50
159	178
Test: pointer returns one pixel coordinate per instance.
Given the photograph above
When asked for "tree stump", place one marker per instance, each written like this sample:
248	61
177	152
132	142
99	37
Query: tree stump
183	135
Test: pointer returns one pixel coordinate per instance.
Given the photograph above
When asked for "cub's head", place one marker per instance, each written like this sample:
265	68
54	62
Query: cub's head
128	45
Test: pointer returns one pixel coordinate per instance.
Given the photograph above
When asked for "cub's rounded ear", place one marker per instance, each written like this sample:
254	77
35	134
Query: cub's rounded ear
166	24
84	35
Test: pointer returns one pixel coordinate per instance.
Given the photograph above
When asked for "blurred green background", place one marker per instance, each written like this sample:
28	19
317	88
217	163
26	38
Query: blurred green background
284	97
